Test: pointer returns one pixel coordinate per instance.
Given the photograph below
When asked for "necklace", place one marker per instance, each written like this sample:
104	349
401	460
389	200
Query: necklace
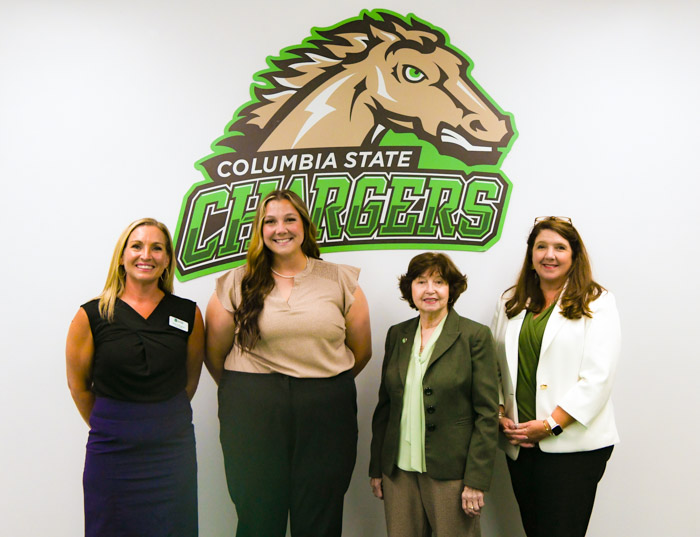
292	276
281	275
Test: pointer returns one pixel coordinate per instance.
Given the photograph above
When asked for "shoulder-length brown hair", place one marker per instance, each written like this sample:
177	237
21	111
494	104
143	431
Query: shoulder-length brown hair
580	288
116	276
433	262
258	281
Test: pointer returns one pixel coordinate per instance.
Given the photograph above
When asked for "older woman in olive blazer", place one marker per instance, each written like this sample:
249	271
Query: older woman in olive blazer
459	392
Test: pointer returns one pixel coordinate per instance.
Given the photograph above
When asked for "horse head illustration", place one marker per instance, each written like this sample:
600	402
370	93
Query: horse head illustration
351	83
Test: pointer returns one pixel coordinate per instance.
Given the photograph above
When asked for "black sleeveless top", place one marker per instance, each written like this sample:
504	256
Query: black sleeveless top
137	359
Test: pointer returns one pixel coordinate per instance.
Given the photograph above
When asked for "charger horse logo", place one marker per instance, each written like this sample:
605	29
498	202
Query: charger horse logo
364	77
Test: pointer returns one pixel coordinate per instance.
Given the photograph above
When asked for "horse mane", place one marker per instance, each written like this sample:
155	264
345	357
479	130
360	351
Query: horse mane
300	69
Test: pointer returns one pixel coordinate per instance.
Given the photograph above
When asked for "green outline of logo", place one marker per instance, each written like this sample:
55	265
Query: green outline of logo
230	201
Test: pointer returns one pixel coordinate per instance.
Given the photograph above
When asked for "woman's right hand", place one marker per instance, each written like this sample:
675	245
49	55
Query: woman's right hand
80	351
376	484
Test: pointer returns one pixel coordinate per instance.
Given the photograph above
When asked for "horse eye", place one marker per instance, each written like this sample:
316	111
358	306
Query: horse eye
413	74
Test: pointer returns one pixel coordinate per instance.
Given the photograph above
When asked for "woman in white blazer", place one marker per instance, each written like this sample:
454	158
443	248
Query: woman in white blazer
558	342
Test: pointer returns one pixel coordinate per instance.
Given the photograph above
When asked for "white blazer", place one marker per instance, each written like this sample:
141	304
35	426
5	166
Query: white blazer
576	369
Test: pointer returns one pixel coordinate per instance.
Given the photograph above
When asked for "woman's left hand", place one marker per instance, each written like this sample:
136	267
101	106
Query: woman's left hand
472	501
515	435
532	431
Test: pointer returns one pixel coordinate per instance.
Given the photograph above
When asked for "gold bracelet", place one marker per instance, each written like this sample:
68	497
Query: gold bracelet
547	428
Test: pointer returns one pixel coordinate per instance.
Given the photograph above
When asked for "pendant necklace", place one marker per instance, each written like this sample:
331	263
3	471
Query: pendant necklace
290	277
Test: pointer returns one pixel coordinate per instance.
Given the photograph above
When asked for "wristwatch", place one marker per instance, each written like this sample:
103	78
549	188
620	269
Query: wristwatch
555	428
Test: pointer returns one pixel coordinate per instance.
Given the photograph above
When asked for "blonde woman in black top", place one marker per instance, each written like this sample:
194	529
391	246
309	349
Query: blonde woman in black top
133	358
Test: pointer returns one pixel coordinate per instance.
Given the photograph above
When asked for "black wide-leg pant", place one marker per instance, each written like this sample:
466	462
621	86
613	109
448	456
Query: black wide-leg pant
289	449
556	491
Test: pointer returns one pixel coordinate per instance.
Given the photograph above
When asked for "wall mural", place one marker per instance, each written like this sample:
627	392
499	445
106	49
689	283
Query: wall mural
378	125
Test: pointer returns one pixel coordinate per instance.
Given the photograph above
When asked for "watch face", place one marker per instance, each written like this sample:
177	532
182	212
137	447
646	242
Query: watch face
557	430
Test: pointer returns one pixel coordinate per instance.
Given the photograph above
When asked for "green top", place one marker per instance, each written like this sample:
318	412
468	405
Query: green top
529	345
411	457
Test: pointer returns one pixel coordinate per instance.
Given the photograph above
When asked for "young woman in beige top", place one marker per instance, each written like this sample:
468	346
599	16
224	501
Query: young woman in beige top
286	334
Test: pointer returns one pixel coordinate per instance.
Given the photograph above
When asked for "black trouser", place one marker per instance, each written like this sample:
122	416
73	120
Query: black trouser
555	491
289	449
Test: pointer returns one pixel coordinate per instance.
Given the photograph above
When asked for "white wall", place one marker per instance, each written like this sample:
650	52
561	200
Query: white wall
105	106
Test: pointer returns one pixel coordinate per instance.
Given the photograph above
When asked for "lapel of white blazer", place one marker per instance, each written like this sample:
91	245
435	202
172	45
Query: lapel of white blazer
555	322
511	344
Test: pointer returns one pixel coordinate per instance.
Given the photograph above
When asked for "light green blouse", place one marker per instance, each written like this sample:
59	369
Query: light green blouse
411	456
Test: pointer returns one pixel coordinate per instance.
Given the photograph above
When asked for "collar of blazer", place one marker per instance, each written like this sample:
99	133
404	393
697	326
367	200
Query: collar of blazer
449	334
555	322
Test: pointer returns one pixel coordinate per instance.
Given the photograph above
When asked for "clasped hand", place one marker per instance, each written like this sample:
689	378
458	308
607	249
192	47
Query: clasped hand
525	434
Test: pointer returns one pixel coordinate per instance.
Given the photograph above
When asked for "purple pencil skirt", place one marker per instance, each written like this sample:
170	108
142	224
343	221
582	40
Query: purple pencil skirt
140	475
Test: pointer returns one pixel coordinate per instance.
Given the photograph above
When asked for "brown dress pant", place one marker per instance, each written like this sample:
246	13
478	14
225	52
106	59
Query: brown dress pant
416	505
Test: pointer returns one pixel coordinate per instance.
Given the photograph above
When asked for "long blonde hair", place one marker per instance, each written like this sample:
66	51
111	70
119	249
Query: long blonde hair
116	276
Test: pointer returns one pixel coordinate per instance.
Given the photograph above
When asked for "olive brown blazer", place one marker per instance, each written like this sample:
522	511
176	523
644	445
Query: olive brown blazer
460	398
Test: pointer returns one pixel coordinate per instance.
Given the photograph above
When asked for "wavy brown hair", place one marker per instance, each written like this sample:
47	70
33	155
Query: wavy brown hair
257	281
116	276
580	289
433	262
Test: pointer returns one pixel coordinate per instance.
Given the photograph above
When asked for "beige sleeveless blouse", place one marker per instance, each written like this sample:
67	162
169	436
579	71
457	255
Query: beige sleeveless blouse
304	336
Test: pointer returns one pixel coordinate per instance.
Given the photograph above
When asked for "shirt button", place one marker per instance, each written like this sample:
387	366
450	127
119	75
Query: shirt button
430	427
428	391
430	409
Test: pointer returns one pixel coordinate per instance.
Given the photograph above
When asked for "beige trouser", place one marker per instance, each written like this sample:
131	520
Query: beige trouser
416	504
